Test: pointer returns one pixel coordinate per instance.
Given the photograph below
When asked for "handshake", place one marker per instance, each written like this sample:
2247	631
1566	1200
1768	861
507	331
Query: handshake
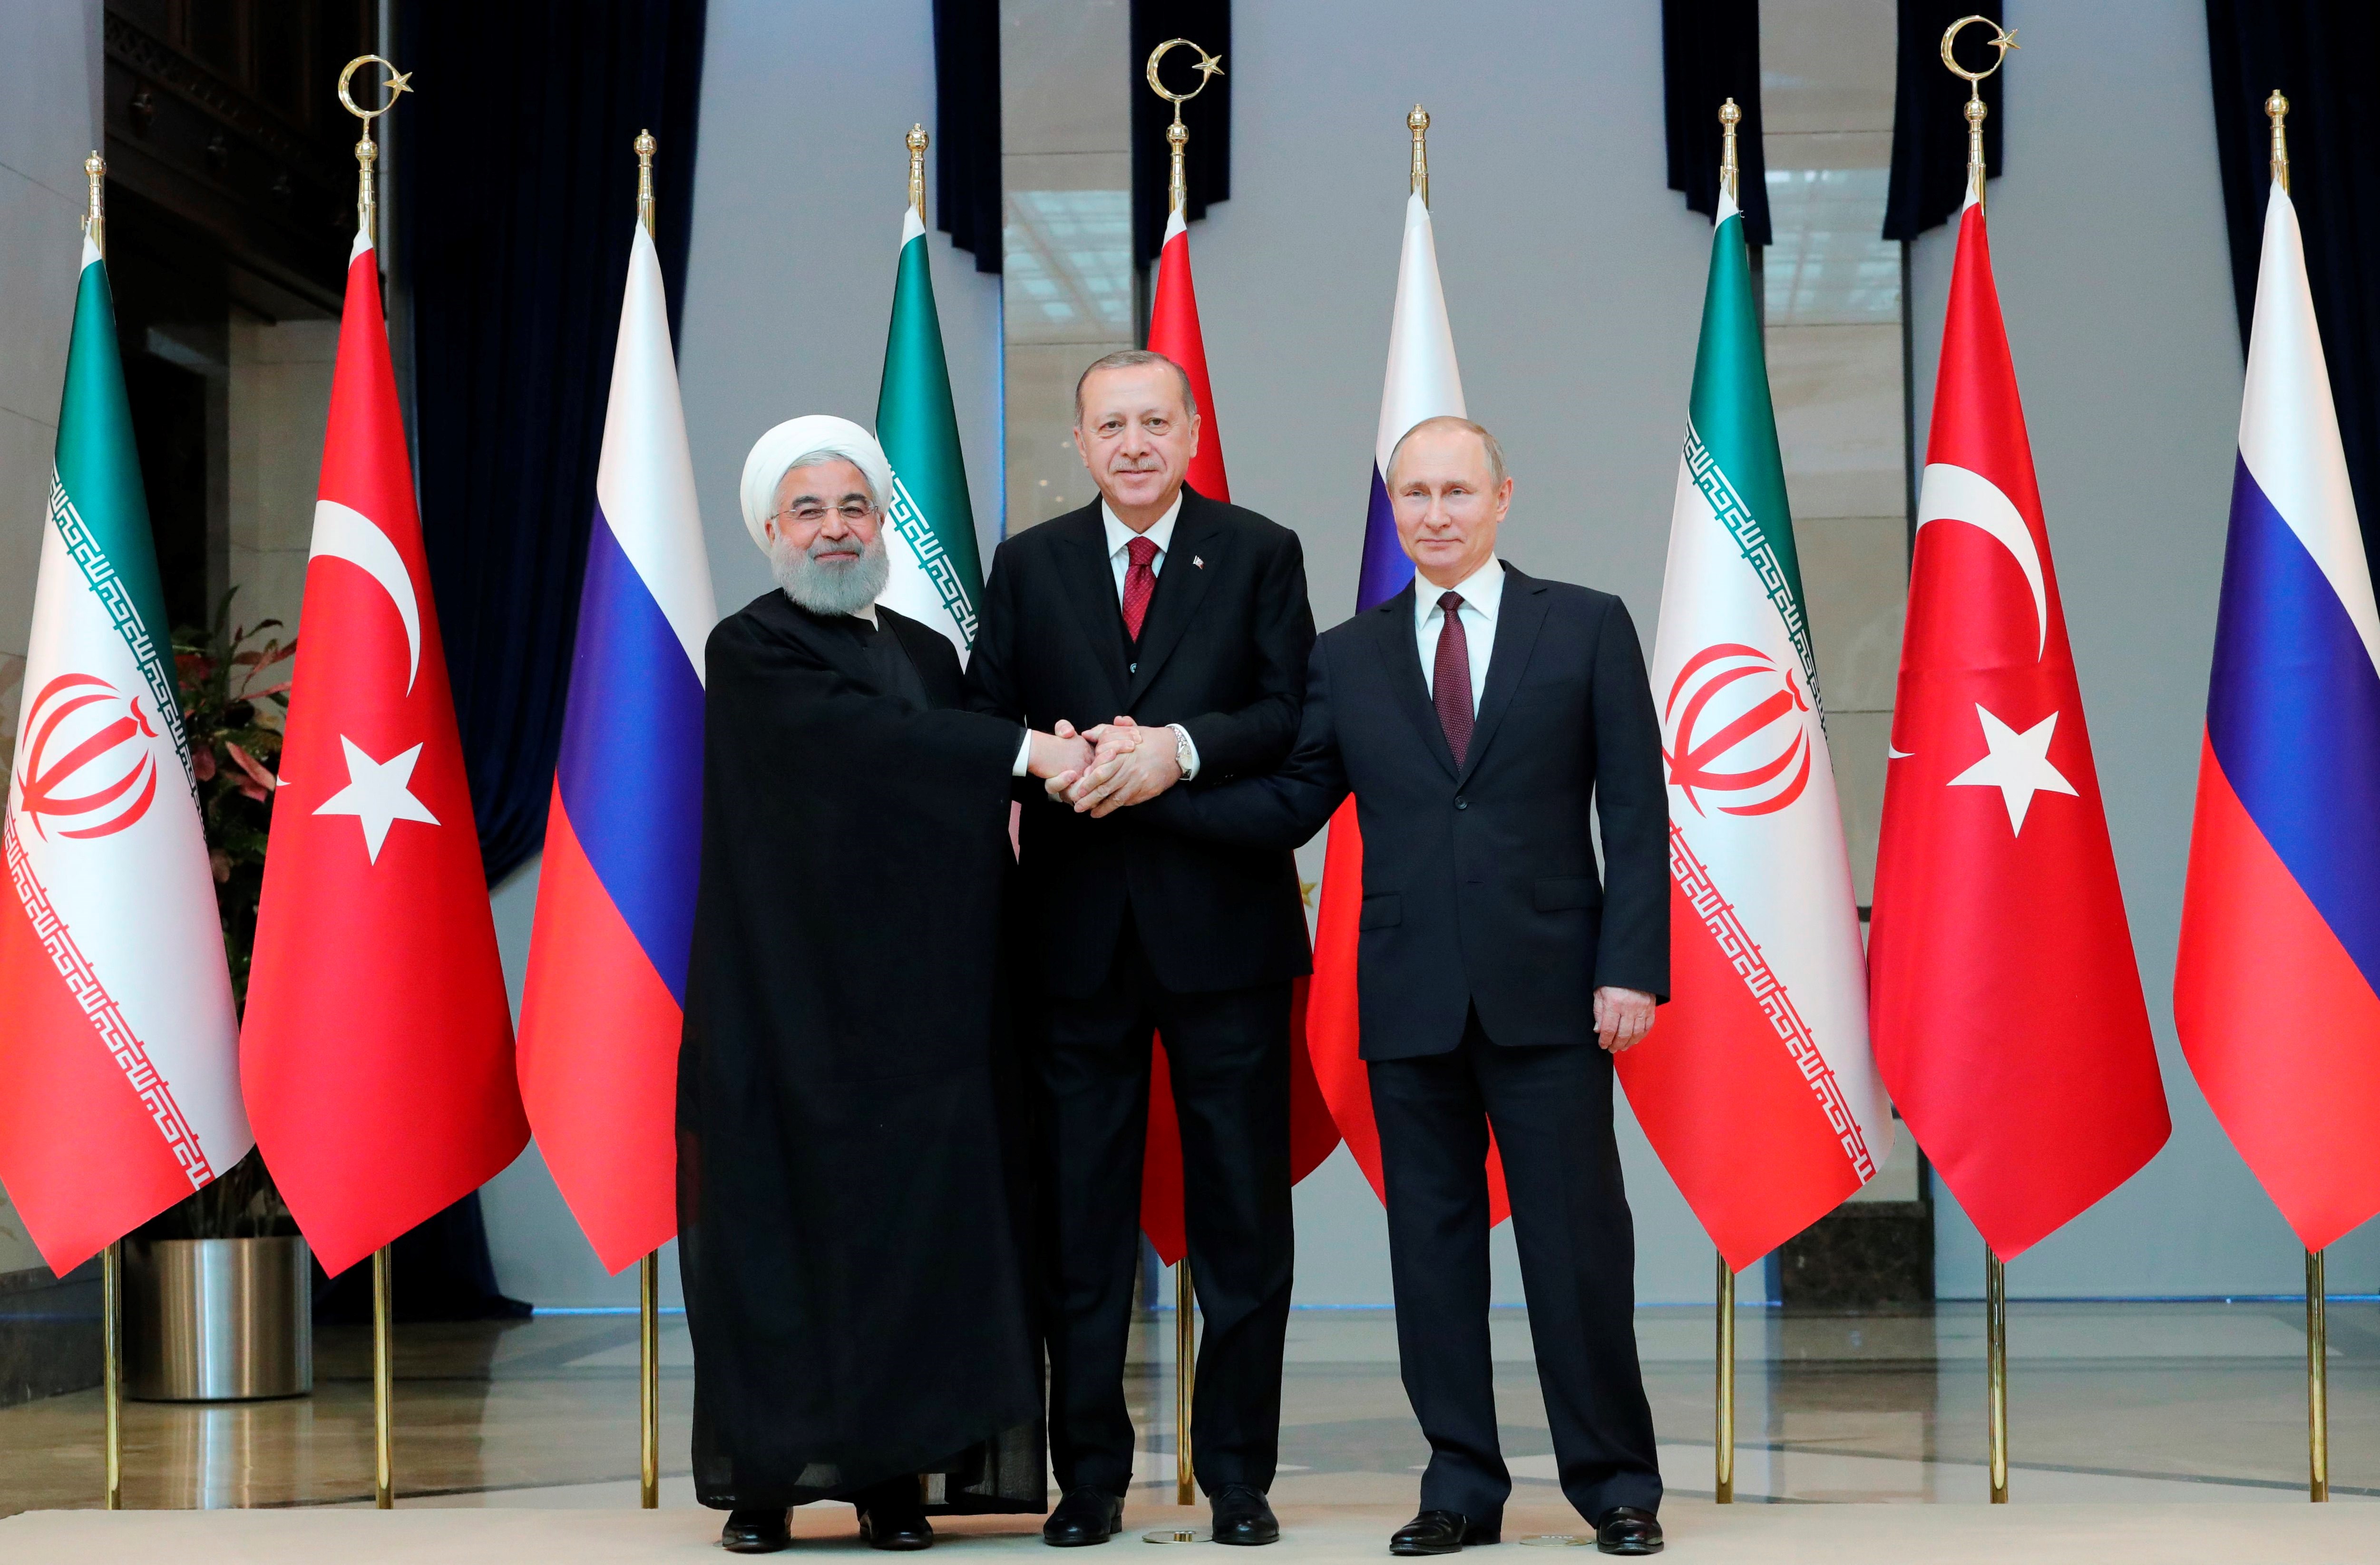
1100	769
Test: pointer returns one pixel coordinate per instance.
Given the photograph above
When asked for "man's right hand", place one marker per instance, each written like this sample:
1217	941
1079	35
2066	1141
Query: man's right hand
1061	754
1112	742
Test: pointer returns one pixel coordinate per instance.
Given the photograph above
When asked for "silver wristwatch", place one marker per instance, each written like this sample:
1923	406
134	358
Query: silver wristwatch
1184	755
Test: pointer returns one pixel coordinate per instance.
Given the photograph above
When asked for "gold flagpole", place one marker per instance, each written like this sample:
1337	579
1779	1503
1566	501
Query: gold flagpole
1418	123
649	1325
1185	1303
111	1260
1723	1485
384	1389
111	1343
1996	1371
395	83
1723	1444
1995	1274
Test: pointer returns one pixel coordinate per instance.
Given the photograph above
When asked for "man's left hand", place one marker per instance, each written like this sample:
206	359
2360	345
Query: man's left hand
1622	1017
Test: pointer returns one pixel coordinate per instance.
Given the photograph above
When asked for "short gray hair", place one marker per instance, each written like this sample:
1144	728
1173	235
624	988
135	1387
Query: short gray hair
1134	358
826	453
1496	472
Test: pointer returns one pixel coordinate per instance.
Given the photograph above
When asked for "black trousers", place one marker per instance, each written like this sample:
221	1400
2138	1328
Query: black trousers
1552	1111
1228	1053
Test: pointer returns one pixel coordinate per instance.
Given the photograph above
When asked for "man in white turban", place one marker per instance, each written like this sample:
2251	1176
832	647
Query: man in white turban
851	1156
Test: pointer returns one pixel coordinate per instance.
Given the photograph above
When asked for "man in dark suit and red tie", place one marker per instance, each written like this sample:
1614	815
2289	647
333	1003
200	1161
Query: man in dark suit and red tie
1476	717
1187	616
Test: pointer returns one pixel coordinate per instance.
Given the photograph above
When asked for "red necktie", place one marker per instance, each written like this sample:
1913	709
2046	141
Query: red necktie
1139	581
1451	681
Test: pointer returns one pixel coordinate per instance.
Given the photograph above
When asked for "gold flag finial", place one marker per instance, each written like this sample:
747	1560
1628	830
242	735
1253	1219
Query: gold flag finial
916	142
646	148
395	84
2003	38
2276	109
95	217
1729	117
1177	135
1418	123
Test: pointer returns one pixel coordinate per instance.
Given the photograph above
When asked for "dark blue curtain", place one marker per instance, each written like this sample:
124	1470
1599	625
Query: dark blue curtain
2320	55
1710	52
966	127
1929	131
516	194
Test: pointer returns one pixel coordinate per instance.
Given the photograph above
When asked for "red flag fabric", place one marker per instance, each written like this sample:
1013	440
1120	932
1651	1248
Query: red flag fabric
2005	1002
1173	332
376	1055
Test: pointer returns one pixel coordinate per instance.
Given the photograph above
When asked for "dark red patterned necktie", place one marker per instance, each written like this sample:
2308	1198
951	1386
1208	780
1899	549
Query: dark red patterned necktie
1451	681
1139	581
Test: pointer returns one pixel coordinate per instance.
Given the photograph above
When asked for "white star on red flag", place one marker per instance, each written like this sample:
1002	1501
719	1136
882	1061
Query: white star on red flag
2018	765
377	795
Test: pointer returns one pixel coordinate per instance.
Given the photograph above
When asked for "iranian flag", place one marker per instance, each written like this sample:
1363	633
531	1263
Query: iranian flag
1757	1087
937	576
119	1067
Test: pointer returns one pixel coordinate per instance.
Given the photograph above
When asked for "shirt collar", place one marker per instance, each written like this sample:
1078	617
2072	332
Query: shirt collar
1483	589
1160	532
866	612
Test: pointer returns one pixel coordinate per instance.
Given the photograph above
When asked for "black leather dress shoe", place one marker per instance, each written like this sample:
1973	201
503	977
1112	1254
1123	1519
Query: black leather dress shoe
894	1517
1085	1516
757	1532
1443	1532
1624	1529
1243	1515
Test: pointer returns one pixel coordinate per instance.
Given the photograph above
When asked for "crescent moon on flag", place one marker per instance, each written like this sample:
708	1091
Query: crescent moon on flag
344	533
1959	494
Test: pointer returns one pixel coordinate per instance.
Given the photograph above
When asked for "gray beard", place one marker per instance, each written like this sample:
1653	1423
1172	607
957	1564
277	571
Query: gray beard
831	589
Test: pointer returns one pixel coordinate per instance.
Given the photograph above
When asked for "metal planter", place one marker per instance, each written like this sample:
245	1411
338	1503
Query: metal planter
218	1319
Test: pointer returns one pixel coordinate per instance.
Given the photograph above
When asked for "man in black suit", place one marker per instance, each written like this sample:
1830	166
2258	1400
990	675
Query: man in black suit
1474	723
1189	617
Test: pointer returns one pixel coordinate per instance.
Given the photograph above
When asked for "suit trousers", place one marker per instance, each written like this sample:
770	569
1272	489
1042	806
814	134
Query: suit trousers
1552	1111
1228	1055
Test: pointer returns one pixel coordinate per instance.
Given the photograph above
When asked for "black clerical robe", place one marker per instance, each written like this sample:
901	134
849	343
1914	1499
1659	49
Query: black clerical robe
851	1171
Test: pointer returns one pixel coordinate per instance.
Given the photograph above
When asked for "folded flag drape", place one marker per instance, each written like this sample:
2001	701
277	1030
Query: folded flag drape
605	999
2004	1001
377	1050
119	1065
1756	1087
2274	985
1173	331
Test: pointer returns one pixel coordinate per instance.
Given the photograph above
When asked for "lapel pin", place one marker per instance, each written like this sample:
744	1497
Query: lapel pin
1197	561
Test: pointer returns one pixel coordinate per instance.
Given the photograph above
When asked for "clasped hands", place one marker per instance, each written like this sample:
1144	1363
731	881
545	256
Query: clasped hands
1101	769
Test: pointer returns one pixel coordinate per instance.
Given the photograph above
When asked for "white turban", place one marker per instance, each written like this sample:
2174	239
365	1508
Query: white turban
774	453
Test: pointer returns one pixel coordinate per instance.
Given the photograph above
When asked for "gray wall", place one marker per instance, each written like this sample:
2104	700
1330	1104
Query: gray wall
2114	278
797	197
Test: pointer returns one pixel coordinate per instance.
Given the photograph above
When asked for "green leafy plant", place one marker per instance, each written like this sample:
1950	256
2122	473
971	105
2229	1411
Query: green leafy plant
235	687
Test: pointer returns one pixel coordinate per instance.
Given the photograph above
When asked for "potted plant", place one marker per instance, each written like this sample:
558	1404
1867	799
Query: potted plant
217	1288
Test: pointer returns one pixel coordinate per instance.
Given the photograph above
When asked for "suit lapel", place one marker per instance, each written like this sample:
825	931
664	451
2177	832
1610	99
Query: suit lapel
1180	587
1090	590
1518	619
1401	650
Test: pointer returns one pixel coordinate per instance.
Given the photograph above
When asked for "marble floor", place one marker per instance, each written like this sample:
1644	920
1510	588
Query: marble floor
2155	1404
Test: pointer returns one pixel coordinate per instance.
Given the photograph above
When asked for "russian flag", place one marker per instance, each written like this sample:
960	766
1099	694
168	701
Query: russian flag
2275	989
605	997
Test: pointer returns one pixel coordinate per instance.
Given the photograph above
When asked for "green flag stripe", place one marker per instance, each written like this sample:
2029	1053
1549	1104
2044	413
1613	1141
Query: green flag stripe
920	429
1731	439
99	507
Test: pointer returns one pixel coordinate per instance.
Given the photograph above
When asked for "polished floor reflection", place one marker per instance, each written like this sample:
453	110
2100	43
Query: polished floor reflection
2165	1402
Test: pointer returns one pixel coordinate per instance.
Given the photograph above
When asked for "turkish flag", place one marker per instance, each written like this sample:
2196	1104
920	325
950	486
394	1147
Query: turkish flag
376	1056
1173	332
2004	1001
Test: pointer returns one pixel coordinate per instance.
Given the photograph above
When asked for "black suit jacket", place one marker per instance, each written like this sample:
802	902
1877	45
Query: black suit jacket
1479	880
1223	651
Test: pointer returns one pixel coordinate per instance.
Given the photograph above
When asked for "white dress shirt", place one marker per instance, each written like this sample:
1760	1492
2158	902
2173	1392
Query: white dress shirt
1483	594
1118	538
